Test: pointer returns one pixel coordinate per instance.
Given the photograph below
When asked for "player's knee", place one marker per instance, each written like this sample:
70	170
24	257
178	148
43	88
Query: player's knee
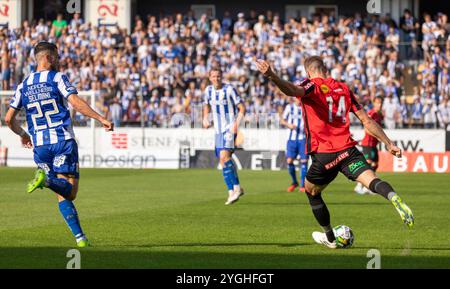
314	191
224	158
315	200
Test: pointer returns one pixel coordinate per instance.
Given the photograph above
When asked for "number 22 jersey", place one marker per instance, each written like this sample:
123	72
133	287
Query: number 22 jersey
44	96
326	106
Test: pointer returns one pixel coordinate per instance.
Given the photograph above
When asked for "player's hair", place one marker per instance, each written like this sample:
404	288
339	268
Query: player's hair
378	97
45	46
315	64
215	69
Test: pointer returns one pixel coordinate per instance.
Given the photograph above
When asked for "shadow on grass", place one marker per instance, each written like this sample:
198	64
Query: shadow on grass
250	203
413	248
223	245
47	257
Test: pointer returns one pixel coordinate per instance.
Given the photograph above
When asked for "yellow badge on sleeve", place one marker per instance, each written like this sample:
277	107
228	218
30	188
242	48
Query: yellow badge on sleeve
324	88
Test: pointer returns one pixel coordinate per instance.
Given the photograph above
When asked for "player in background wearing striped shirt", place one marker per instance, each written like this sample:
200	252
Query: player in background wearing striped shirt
228	111
292	118
45	95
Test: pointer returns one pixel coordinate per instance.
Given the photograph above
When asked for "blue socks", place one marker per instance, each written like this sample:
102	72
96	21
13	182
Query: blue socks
230	175
304	169
63	188
235	175
60	186
291	169
70	215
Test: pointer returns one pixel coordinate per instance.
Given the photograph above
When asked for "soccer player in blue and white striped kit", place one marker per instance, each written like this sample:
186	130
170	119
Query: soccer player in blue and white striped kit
293	119
228	111
45	95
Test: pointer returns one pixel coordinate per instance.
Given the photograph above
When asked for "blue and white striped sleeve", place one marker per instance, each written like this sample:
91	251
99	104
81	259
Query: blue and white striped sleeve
207	95
64	86
286	112
16	100
234	95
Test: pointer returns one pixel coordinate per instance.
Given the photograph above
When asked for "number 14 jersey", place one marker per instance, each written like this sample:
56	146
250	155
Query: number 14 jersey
326	106
44	96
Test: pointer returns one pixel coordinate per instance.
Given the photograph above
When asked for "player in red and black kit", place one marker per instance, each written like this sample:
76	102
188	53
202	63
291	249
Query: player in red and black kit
326	105
369	143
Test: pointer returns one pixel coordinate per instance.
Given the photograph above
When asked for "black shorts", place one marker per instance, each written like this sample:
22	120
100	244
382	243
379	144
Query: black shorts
370	153
326	166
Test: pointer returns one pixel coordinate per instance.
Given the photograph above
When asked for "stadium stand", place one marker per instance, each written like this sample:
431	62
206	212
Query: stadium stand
156	73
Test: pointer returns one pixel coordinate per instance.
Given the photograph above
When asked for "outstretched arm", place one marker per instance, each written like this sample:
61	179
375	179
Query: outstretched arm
286	87
82	107
376	131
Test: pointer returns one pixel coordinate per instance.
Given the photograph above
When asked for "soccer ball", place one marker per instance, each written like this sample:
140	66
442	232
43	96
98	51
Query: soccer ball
344	236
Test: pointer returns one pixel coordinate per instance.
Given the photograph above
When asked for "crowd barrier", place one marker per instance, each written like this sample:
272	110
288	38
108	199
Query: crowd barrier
424	150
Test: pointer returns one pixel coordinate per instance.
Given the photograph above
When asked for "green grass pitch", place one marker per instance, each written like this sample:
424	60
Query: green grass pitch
177	219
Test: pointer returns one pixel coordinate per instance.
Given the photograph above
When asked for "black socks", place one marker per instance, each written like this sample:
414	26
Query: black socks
382	188
321	214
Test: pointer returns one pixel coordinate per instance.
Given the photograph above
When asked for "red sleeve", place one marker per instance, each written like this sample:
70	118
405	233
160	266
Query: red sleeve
379	118
355	106
308	86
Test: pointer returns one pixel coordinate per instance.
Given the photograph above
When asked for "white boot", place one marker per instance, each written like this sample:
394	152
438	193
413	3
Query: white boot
359	189
233	196
321	238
